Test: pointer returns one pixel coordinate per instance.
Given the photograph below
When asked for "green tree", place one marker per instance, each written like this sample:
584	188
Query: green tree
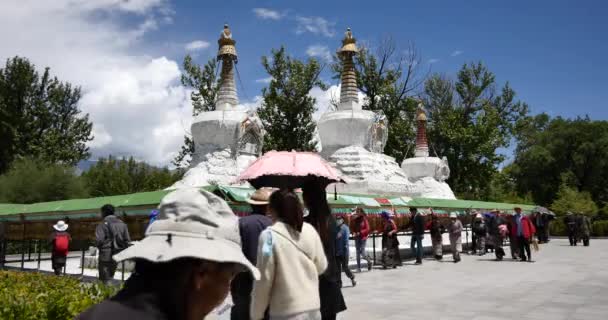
287	108
205	85
30	181
570	199
113	176
389	80
39	116
551	152
469	123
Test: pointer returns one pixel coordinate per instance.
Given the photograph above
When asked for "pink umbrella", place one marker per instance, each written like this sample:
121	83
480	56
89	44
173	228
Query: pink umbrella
284	169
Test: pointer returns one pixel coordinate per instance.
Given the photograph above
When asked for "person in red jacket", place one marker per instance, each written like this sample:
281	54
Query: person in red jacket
60	242
523	230
361	233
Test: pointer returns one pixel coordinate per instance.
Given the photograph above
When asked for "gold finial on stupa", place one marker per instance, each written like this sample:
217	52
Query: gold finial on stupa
349	44
420	112
226	44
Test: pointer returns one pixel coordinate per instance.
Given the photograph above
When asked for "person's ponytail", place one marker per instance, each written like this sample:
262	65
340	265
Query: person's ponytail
288	208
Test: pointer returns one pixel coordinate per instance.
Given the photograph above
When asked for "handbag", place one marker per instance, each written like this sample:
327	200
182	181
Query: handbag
535	243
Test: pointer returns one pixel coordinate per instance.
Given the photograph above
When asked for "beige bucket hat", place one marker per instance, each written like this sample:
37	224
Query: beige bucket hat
261	196
192	223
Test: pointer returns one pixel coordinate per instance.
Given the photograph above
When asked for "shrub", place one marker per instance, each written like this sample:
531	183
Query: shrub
558	227
600	229
29	295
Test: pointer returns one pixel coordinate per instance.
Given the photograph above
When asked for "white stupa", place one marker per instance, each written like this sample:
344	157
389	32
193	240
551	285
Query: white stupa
353	139
228	139
428	174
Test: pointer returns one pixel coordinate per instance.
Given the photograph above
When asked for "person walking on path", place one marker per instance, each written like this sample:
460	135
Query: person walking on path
342	252
524	231
480	231
320	217
60	243
179	274
513	243
290	259
416	223
437	230
390	243
570	222
250	228
361	233
455	232
112	236
583	224
496	233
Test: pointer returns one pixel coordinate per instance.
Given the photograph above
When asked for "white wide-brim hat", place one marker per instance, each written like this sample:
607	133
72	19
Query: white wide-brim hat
60	226
192	224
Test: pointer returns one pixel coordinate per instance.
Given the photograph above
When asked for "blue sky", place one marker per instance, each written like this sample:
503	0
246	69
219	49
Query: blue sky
127	55
552	52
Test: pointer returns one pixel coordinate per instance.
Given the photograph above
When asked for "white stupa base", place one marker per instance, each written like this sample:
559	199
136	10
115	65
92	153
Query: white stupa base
216	168
344	128
428	187
369	172
428	175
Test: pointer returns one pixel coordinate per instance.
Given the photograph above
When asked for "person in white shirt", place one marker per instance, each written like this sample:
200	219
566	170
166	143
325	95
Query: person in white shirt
290	259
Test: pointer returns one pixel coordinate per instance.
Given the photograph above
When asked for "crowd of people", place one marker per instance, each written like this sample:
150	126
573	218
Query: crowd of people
284	261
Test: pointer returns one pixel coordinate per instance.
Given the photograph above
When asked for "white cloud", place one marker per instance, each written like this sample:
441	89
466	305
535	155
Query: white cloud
315	25
264	80
197	45
268	14
456	53
135	101
319	51
432	61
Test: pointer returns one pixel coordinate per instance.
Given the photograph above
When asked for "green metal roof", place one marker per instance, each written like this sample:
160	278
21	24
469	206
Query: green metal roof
85	208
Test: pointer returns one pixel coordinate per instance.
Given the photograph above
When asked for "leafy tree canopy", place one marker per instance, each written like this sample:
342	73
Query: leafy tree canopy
113	176
552	152
287	108
570	199
468	123
39	116
31	181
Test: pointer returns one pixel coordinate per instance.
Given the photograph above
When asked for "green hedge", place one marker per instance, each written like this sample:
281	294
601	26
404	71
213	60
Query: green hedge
600	229
29	295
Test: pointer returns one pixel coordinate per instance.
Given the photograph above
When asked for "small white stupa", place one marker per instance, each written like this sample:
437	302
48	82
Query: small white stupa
428	174
353	139
228	139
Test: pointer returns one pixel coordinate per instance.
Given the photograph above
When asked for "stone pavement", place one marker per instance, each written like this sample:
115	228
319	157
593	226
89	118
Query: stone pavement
563	283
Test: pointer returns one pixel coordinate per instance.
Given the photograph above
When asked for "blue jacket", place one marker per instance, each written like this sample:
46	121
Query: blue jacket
342	240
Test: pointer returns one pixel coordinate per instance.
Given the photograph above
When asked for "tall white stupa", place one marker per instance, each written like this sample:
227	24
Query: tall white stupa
428	174
353	139
227	139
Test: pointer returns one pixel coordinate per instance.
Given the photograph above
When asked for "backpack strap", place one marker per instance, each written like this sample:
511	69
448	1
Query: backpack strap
294	244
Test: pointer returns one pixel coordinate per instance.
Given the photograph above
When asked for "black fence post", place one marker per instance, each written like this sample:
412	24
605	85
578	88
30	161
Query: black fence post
29	250
23	254
39	246
122	278
374	246
82	258
2	252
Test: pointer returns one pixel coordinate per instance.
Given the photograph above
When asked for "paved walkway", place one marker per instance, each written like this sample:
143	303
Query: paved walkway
563	283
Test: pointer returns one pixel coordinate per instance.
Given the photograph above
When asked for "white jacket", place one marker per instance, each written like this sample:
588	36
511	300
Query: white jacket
290	263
